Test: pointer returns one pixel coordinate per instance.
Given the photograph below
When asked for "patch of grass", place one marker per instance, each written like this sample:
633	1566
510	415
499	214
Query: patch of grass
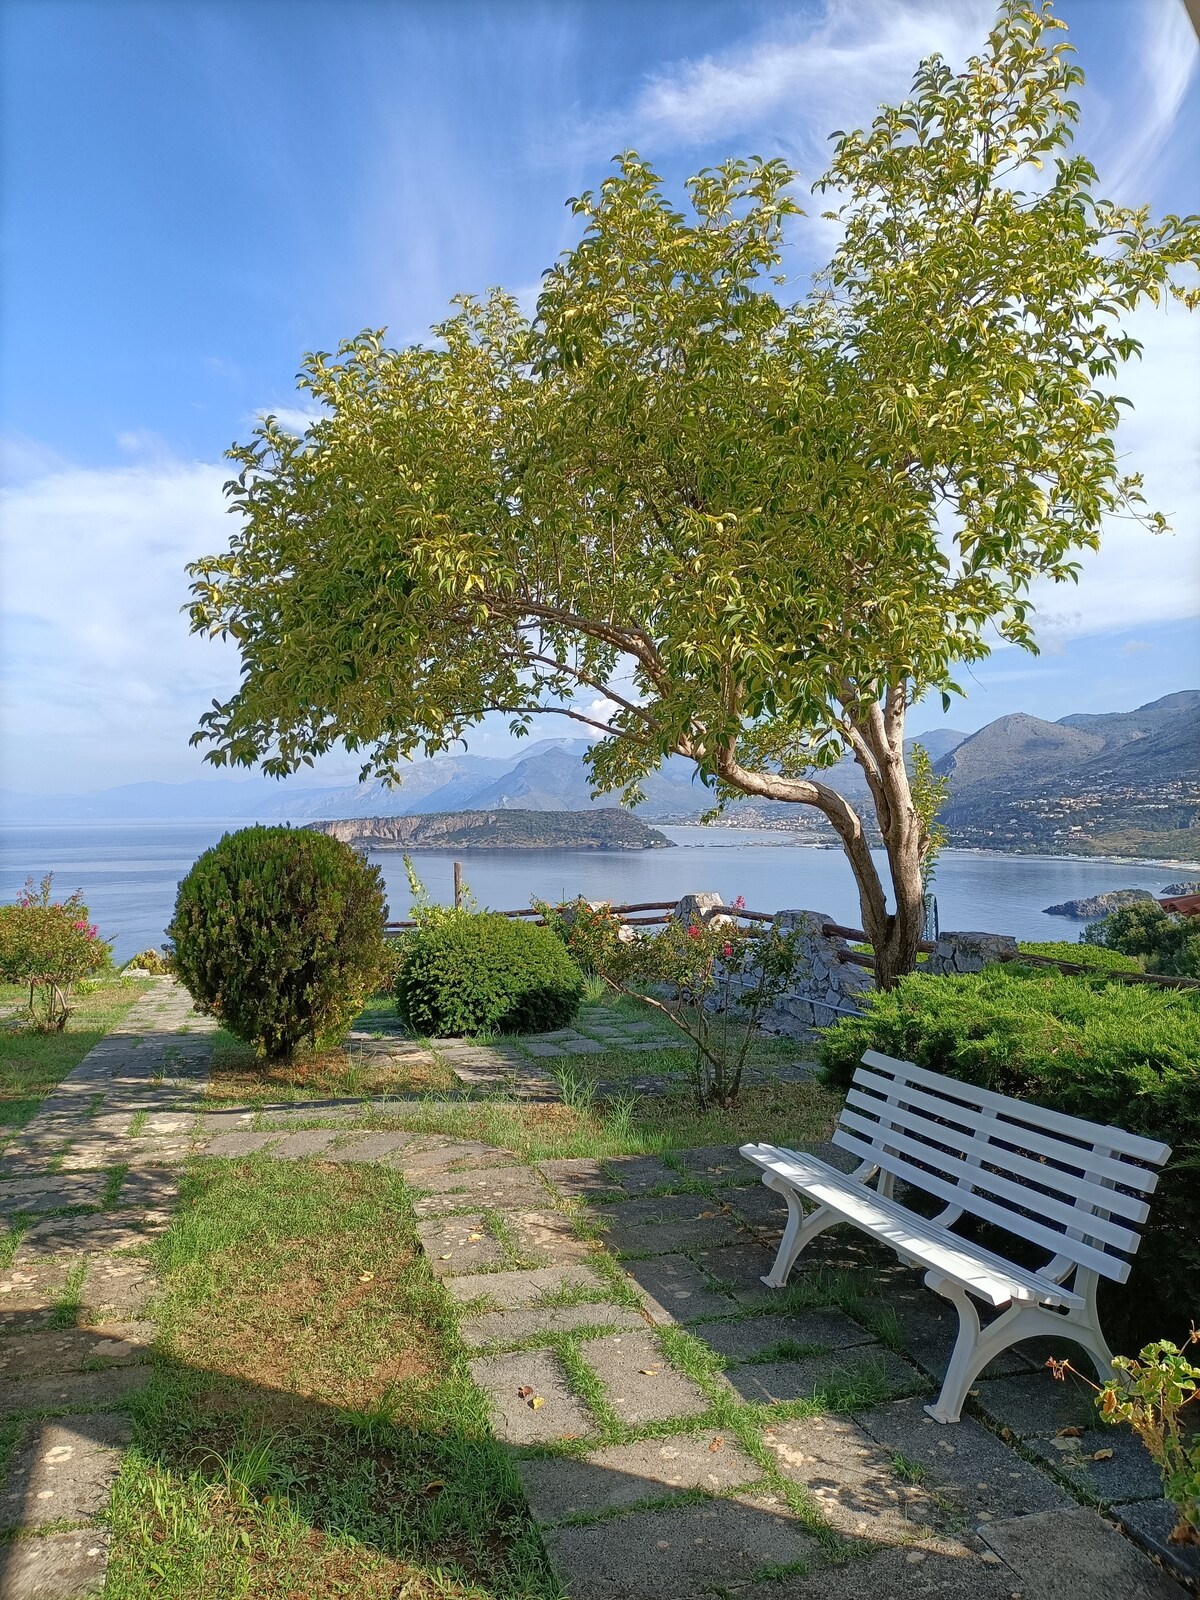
32	1063
67	1306
112	1187
783	1113
341	1071
908	1471
311	1428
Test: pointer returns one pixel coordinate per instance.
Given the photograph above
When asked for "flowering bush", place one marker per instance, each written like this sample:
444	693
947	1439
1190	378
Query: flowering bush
49	945
592	932
714	980
1149	1394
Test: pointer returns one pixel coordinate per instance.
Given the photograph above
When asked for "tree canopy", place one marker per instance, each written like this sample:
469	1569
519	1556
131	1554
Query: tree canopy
756	525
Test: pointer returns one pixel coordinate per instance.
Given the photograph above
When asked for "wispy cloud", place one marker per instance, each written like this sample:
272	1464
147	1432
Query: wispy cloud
1167	55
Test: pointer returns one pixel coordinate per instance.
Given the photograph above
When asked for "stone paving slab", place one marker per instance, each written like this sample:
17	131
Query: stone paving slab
1152	1522
308	1142
567	1047
101	1231
625	1475
1034	1405
117	1286
642	1384
898	1573
768	1382
985	1478
579	1178
149	1188
516	1290
740	1269
460	1245
663	1238
425	1156
29	1294
76	1391
369	1147
929	1327
494	1187
654	1210
50	1192
759	1208
63	1471
516	1327
513	1382
676	1290
1069	1555
1126	1470
32	1355
745	1338
58	1566
547	1237
678	1554
636	1174
852	1480
242	1142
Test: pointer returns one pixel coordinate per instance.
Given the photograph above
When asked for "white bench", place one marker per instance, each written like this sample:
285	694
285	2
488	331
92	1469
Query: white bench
1073	1188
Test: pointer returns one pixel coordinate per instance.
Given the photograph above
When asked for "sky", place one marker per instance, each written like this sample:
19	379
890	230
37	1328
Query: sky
194	194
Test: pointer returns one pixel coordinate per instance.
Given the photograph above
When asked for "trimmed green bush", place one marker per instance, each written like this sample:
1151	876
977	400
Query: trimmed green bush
279	933
1122	1054
1083	955
466	972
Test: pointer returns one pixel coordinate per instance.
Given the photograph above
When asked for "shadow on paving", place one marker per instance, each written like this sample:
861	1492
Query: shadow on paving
222	1471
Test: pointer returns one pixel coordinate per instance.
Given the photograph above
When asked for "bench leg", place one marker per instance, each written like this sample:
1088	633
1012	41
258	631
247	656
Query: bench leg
799	1232
976	1345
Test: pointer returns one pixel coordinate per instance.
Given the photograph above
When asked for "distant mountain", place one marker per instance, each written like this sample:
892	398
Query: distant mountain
607	829
1124	782
1121	783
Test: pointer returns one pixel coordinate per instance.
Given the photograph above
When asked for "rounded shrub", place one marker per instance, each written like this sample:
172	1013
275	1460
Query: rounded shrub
279	933
478	972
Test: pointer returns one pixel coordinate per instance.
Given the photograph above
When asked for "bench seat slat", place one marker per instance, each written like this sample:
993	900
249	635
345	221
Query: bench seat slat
988	1184
1077	1250
1091	1165
1076	1128
987	1275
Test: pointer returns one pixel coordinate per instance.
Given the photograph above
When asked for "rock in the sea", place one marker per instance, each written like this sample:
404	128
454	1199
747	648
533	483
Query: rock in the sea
1099	905
1173	890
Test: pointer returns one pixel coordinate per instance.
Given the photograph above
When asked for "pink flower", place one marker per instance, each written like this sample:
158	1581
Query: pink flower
728	950
740	903
693	932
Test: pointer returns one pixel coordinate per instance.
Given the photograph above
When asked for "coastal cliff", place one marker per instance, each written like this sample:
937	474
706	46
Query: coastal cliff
498	829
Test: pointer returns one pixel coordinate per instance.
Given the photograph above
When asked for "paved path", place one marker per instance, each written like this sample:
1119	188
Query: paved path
86	1183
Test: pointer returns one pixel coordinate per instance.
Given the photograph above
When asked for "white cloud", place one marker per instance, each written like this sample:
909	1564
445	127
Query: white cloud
291	418
1167	55
800	79
99	668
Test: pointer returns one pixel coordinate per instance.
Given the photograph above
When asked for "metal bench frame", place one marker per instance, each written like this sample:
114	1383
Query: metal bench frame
1072	1187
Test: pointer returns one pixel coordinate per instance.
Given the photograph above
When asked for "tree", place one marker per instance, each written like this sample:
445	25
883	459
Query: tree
757	529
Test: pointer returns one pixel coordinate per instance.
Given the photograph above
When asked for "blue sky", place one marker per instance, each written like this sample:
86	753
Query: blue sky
194	194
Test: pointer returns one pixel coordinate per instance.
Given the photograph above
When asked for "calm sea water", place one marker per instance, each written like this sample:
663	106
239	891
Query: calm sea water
129	873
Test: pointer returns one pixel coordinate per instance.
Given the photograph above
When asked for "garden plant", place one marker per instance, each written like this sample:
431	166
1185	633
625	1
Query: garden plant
1162	940
49	946
279	933
1151	1394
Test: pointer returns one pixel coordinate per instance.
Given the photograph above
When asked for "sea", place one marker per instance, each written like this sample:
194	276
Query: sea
129	874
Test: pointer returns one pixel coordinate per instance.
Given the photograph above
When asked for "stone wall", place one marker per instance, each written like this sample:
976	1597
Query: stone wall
825	986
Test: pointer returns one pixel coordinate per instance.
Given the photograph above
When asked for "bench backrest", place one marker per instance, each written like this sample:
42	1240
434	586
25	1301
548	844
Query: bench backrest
1075	1187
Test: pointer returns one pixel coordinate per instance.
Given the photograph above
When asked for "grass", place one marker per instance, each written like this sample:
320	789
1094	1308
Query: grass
32	1064
343	1071
311	1428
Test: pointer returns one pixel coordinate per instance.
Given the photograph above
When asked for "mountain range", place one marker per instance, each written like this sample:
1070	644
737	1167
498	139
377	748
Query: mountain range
1124	782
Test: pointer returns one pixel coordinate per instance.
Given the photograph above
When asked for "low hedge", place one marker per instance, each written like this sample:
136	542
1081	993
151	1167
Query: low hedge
465	972
1113	1053
1083	955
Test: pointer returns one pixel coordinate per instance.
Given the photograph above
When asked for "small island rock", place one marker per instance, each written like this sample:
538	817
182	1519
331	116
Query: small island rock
1099	905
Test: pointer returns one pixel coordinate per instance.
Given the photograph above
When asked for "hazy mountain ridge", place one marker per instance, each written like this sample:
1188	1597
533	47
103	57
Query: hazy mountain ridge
1120	783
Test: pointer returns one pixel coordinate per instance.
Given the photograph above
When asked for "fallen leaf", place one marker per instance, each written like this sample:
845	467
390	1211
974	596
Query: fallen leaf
447	1256
717	1444
365	1277
648	1372
471	1237
432	1488
1069	1433
536	1402
1102	1455
524	1391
